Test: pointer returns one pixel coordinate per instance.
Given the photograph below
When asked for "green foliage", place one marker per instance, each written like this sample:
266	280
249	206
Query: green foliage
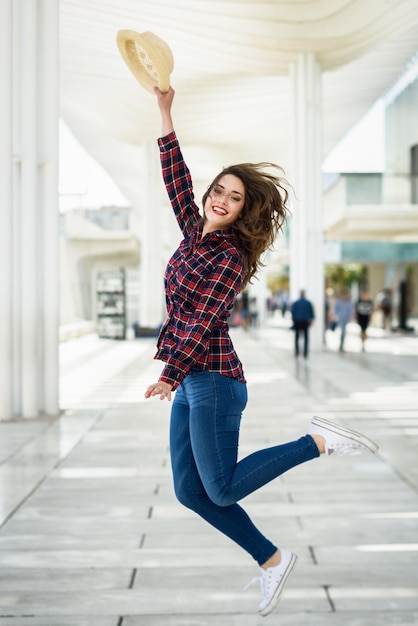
342	276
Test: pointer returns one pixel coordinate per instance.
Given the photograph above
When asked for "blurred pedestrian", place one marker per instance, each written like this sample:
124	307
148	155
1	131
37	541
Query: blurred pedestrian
302	315
253	312
386	306
284	303
344	312
364	311
330	301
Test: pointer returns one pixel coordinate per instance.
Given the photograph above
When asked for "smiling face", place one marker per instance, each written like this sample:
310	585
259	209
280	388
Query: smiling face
224	203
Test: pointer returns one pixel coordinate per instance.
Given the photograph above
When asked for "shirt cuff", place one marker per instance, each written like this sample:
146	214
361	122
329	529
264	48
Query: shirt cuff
168	142
172	376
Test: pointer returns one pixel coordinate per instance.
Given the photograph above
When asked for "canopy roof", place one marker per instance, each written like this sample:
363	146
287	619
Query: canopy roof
231	74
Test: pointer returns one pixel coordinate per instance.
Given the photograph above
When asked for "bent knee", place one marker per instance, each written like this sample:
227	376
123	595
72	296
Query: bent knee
220	498
187	496
192	500
184	497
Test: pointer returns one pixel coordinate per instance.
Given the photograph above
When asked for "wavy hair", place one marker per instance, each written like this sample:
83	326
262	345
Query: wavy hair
264	212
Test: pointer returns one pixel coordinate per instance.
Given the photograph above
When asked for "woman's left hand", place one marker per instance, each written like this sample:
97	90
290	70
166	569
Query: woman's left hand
159	389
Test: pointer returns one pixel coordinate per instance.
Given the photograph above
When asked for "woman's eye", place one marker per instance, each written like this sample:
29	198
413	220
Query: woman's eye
219	192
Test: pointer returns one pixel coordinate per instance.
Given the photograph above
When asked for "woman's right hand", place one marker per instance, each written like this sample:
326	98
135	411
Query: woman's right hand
165	101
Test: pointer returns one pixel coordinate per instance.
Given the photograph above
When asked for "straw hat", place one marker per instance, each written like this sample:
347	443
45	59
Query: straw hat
148	57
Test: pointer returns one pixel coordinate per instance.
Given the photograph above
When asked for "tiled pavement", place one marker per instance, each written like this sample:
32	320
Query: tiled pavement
92	535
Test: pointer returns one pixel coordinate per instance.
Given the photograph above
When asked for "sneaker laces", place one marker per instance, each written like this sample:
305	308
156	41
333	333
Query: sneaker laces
253	581
263	581
345	448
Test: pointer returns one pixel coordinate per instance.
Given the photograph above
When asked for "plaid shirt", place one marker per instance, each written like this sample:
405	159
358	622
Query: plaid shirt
202	281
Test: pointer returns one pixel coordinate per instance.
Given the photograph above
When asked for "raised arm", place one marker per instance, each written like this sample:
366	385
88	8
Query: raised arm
165	100
175	172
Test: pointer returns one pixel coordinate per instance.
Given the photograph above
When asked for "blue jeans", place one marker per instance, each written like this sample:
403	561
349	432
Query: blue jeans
342	336
204	432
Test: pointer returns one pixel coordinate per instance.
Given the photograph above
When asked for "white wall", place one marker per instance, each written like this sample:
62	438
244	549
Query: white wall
401	130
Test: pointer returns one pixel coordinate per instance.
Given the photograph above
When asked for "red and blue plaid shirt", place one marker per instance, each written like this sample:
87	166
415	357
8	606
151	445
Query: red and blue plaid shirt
202	281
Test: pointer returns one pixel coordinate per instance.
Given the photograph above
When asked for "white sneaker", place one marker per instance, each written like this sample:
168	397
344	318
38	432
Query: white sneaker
341	441
273	580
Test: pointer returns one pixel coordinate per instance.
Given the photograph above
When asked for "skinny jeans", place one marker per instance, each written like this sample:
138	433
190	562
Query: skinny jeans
208	478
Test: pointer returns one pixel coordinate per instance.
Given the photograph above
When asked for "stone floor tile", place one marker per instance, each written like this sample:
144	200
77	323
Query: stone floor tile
62	580
157	600
59	620
363	618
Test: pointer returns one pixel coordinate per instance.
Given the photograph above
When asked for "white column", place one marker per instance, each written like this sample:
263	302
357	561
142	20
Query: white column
28	196
151	305
28	209
48	199
6	195
306	241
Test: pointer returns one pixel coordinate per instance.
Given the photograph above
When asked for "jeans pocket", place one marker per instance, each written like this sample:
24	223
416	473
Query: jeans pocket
238	393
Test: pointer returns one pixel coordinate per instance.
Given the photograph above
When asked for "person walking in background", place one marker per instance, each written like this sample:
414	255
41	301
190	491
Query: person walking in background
302	315
253	312
344	312
330	301
386	306
244	208
364	310
284	303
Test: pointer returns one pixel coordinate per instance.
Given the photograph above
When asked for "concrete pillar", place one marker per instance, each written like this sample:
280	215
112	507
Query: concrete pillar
48	121
6	215
306	229
152	262
29	208
376	278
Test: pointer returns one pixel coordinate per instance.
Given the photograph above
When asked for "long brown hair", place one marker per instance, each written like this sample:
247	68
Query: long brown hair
264	212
